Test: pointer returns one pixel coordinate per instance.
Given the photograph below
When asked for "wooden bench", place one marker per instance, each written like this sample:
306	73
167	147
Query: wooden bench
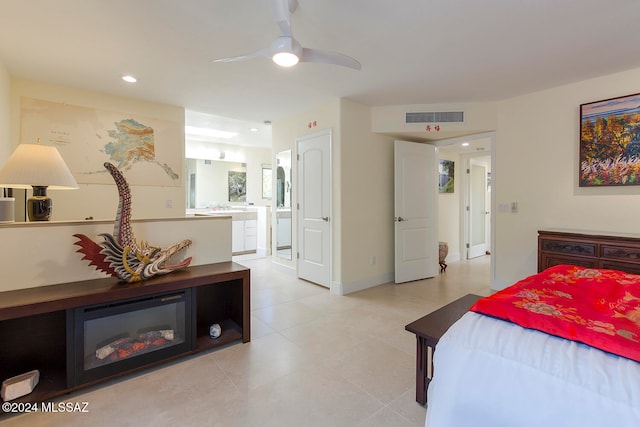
429	329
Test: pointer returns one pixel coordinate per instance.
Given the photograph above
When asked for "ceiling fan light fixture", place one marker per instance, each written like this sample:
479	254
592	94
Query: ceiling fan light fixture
285	59
285	51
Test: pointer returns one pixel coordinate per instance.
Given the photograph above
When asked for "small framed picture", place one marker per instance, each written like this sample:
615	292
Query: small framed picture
446	176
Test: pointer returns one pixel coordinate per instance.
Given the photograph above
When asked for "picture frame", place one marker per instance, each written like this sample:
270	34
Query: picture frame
610	142
446	178
267	181
237	186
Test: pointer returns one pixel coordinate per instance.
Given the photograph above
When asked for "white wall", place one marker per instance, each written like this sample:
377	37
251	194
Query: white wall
536	165
100	201
43	254
479	118
366	202
5	107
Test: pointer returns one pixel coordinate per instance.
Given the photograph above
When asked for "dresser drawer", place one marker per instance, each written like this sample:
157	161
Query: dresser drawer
612	265
620	253
568	247
549	260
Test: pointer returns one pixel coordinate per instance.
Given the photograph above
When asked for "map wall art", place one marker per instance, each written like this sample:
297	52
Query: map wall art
148	151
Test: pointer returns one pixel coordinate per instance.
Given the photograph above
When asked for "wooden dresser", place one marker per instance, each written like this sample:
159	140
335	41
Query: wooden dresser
617	251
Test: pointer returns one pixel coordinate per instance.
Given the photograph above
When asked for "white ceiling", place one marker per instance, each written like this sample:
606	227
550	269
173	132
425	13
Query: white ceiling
411	51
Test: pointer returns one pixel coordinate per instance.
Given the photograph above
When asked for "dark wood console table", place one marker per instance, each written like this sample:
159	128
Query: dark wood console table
589	249
35	329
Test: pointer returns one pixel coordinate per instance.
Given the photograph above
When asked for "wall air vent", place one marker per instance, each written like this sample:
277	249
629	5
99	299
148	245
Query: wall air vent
422	117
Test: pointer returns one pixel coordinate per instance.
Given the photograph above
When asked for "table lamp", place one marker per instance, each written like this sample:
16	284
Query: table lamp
40	167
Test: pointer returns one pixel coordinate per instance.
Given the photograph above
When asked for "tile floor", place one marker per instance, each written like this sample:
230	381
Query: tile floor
314	359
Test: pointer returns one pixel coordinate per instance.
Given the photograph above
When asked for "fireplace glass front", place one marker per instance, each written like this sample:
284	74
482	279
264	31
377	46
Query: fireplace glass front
121	336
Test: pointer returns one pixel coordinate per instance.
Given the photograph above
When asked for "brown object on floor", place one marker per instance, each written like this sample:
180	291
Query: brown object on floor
443	251
443	266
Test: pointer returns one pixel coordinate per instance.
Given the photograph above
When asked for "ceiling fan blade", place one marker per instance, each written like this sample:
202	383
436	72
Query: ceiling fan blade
327	57
282	10
258	53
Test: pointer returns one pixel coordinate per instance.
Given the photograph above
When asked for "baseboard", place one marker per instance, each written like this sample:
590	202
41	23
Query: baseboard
360	285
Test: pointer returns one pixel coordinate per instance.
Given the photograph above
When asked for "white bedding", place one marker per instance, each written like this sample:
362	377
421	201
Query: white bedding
488	372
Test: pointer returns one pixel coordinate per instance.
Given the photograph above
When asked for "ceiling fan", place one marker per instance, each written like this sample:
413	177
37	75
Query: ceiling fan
286	51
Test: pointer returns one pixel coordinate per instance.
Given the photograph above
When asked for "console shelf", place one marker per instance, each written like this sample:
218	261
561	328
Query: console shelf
36	323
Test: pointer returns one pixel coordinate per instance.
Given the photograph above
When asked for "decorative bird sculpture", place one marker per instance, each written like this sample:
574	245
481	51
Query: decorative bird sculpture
120	255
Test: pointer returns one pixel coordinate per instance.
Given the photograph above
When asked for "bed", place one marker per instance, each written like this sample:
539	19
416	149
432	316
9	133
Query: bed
561	347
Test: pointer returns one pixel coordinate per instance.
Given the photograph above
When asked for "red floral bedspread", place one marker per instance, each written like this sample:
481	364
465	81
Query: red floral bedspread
600	308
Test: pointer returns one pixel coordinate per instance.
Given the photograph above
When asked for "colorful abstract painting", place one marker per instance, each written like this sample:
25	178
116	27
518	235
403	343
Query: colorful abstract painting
610	142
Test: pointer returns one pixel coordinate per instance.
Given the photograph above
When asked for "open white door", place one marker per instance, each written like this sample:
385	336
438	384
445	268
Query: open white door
416	231
314	208
478	212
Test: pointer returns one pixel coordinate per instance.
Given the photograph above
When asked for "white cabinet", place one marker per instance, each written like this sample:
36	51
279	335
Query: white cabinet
250	235
244	235
237	236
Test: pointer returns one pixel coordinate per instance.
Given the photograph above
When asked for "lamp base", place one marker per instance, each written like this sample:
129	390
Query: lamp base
39	206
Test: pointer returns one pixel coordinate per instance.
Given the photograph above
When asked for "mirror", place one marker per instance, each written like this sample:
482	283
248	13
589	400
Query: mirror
283	204
215	184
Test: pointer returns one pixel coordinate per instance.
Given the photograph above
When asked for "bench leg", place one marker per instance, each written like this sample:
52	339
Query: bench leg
421	371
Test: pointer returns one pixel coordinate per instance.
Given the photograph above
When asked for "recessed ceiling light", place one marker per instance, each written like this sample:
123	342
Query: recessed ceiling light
254	129
129	79
465	144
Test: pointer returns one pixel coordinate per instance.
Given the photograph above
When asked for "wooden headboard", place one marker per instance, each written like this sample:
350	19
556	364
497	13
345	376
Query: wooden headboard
589	249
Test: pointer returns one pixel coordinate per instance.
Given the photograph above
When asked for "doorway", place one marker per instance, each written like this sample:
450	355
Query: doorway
454	224
477	211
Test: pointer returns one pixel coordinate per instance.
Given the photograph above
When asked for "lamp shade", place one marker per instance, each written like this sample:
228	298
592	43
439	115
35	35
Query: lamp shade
36	165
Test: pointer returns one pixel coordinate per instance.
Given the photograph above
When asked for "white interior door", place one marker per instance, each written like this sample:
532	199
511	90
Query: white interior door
478	212
416	231
314	208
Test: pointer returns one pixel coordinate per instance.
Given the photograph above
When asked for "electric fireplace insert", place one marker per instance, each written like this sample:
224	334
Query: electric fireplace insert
120	336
